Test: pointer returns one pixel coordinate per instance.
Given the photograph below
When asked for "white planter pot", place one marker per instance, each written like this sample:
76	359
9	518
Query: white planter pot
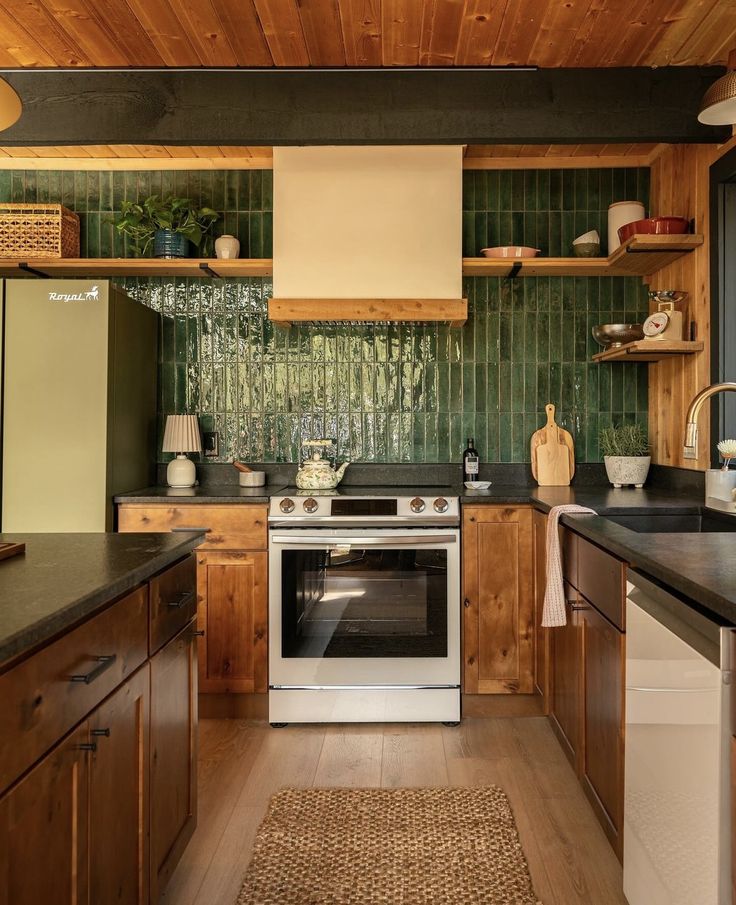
227	247
627	469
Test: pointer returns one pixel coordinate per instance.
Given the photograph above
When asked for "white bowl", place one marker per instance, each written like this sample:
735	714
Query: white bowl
252	478
592	236
477	485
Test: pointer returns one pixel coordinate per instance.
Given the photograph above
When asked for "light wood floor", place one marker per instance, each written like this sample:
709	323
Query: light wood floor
242	763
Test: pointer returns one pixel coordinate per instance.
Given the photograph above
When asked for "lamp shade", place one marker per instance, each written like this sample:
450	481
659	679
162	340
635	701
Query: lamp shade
719	102
10	105
181	434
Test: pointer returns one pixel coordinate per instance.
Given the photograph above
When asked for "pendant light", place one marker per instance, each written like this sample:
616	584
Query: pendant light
719	102
10	105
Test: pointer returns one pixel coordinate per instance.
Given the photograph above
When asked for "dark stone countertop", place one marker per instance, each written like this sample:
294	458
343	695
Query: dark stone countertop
216	493
603	498
64	578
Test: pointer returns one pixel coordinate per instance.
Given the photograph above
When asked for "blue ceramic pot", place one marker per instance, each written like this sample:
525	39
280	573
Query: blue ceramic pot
170	244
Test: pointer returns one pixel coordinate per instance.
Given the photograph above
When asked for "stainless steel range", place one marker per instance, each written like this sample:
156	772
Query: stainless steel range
364	606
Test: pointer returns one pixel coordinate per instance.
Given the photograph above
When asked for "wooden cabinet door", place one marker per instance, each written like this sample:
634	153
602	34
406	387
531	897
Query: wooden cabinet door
173	791
542	681
232	588
498	600
567	681
603	727
118	795
44	830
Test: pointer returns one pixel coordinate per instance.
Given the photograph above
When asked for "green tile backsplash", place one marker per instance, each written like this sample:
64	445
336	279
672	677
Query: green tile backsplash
387	393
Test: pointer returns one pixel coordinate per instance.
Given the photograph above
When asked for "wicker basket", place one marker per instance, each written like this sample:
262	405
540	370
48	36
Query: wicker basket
38	231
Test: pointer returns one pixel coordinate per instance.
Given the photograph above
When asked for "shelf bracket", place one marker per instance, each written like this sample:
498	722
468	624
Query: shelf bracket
204	266
24	265
515	270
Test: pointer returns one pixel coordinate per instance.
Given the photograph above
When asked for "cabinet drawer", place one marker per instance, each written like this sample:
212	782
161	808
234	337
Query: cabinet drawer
229	527
602	581
173	601
569	550
47	694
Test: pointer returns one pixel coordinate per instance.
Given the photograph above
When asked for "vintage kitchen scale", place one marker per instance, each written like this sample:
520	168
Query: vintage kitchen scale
667	322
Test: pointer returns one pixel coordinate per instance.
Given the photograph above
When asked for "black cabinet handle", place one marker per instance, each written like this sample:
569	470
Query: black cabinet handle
101	732
182	600
191	528
198	633
88	746
466	603
103	664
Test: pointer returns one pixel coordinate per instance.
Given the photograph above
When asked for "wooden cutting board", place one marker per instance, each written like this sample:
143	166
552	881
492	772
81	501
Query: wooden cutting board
553	453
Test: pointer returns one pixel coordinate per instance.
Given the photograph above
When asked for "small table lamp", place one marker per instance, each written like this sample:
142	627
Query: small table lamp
181	435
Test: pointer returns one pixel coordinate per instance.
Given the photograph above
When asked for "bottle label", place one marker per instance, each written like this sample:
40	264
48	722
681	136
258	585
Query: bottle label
471	464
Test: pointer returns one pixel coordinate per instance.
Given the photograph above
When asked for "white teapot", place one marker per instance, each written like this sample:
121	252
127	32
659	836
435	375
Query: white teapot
316	472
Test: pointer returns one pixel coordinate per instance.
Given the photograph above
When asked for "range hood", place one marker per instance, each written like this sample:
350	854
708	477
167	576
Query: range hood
367	234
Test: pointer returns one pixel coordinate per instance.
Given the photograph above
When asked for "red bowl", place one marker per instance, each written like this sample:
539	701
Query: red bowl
654	226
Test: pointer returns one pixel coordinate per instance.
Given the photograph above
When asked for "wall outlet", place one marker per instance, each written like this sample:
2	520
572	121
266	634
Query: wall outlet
211	444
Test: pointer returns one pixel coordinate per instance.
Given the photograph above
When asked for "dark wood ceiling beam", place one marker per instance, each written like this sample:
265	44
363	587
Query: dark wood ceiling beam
282	107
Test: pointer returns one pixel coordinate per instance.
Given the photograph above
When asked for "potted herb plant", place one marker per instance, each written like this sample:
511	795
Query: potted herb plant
626	454
169	223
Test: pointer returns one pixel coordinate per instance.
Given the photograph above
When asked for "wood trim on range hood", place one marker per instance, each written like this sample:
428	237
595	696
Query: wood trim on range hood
286	312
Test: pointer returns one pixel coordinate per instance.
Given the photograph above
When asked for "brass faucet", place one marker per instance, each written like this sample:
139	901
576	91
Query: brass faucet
690	449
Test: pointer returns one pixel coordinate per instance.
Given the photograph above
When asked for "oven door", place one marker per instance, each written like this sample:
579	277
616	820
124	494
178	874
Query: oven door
364	607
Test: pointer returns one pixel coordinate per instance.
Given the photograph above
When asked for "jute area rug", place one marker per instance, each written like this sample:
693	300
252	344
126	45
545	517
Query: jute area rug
388	847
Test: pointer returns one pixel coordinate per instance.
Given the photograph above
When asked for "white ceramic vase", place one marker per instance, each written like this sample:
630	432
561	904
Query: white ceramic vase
623	470
619	214
227	247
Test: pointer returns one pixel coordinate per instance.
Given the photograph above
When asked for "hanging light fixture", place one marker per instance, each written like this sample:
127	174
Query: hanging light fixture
719	102
10	105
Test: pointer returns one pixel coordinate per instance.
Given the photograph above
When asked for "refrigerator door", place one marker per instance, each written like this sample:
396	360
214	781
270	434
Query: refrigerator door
55	405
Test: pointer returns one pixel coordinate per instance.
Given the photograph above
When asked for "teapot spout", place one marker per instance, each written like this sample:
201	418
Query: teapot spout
341	471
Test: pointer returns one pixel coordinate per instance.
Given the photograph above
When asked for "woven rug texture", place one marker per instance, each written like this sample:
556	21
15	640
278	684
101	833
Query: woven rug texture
388	847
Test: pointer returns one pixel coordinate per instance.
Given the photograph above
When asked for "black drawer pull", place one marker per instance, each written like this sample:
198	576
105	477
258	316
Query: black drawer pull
88	746
194	528
182	600
103	664
101	732
198	633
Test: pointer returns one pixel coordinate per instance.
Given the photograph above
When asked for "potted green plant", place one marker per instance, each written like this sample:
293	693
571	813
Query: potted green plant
626	454
169	223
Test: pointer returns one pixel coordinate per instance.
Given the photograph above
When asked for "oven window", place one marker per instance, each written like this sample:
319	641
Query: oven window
352	603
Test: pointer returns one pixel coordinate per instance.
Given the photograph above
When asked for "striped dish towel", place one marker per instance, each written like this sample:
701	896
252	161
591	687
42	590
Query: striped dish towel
553	613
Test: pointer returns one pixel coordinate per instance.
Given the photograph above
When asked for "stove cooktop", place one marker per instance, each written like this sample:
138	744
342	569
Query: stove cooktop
367	505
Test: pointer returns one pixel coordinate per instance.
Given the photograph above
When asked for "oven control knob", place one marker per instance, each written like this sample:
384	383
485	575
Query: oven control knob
417	504
286	505
311	505
441	504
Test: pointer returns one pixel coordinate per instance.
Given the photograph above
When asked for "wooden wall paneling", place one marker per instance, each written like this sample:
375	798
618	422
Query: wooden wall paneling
361	32
401	32
680	182
710	32
282	28
243	29
322	32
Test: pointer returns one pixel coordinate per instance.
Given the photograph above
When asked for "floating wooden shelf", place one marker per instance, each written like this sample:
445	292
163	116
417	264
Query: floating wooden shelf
649	350
137	267
639	256
286	312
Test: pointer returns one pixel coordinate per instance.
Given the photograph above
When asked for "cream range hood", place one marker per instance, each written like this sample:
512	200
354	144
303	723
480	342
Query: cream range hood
367	234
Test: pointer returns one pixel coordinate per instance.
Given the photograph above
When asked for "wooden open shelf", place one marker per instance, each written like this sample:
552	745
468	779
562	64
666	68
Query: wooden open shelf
286	312
649	350
639	256
137	267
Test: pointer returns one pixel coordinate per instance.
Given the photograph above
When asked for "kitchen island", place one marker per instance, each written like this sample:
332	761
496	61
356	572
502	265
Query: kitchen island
98	715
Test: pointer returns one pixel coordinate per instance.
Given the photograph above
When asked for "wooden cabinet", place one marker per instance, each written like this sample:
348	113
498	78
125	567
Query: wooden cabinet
118	795
498	602
173	754
602	760
567	680
542	636
44	829
232	587
232	590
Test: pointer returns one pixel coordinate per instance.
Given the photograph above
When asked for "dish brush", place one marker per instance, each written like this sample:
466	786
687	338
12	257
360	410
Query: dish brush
727	449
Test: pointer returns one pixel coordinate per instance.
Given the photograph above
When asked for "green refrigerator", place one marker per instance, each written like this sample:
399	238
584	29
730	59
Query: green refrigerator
78	398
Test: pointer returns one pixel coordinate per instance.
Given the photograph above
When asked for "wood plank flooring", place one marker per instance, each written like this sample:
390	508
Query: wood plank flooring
242	763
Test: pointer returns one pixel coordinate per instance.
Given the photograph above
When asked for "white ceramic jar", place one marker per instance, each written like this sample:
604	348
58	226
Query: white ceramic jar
619	214
227	247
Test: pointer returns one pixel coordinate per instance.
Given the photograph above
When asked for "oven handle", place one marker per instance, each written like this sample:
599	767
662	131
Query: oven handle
408	540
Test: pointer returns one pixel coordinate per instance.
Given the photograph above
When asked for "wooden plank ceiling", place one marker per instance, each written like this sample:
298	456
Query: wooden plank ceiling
263	33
